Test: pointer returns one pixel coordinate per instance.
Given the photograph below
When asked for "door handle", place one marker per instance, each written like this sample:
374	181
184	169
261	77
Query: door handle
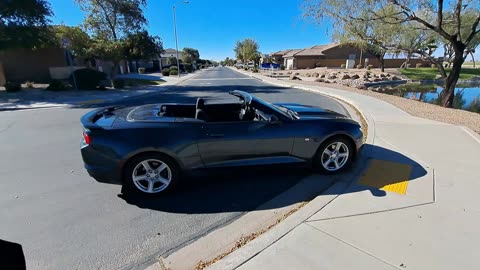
215	135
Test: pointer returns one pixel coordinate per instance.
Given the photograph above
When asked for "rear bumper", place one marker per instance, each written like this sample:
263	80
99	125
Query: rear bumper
100	166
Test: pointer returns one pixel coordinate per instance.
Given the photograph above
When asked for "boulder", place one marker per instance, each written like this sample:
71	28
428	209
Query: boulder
382	75
395	78
361	86
296	73
354	77
320	80
345	77
377	80
332	77
315	75
322	76
294	78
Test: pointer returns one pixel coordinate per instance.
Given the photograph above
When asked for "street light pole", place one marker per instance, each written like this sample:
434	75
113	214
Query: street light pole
176	39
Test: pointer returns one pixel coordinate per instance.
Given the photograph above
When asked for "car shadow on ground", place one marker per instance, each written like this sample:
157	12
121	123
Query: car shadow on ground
245	189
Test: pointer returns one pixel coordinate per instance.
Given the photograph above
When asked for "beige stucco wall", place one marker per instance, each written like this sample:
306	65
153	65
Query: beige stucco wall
31	65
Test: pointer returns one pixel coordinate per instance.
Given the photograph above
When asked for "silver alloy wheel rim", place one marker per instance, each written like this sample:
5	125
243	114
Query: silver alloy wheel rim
152	176
335	156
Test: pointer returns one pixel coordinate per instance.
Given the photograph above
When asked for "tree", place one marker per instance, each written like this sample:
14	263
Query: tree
111	22
446	22
79	40
172	60
142	46
24	23
190	55
246	50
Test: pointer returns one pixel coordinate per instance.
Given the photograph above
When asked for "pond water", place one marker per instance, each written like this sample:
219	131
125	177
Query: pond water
467	97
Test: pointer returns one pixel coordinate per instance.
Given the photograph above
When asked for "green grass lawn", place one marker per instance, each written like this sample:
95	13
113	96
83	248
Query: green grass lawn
430	73
141	82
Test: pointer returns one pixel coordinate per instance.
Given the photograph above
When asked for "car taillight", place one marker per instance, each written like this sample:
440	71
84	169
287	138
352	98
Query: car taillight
87	138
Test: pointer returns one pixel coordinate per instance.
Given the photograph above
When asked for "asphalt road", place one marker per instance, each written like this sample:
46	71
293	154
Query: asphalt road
65	220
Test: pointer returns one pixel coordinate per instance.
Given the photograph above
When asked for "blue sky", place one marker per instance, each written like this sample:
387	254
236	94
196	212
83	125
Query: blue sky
213	26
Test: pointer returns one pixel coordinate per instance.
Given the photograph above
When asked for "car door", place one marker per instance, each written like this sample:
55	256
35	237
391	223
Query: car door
240	142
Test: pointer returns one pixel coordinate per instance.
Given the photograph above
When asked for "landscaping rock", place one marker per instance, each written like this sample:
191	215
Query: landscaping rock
354	77
294	78
438	77
377	80
345	77
395	78
315	75
320	80
296	73
382	75
361	86
332	77
322	76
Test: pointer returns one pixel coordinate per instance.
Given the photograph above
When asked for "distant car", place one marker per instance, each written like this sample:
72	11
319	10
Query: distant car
146	148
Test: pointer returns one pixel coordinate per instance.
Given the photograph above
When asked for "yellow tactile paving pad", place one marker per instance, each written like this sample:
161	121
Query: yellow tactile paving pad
387	175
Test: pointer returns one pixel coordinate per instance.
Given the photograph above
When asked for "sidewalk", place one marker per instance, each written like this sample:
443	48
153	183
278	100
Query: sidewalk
39	98
415	206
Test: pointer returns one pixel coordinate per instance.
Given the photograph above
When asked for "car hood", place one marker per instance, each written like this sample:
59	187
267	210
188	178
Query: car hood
306	111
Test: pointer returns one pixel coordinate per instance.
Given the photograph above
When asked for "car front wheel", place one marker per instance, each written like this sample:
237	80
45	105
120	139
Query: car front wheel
334	155
150	174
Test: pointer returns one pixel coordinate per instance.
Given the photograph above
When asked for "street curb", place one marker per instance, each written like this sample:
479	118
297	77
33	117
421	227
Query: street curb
270	237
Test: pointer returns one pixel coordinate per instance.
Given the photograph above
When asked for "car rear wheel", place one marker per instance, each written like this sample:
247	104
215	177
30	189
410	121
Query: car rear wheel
334	155
150	174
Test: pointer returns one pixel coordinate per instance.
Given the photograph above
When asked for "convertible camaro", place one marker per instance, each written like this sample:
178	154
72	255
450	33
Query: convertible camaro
146	148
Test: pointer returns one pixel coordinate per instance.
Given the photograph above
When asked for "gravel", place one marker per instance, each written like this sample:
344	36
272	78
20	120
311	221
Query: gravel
417	108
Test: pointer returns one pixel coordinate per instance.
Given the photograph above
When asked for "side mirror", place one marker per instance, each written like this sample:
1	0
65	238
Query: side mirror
273	120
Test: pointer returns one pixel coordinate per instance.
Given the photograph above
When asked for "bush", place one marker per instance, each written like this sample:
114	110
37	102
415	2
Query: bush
29	84
165	72
245	68
87	79
173	68
343	66
118	83
359	66
173	72
282	67
13	86
57	85
255	70
369	67
418	65
141	70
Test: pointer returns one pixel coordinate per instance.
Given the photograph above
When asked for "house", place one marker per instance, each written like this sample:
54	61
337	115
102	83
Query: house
277	57
167	54
333	55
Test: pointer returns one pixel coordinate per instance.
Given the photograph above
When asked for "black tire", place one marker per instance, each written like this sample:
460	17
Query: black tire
170	173
321	157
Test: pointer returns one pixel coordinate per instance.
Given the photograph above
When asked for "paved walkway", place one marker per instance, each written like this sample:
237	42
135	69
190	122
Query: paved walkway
39	98
415	206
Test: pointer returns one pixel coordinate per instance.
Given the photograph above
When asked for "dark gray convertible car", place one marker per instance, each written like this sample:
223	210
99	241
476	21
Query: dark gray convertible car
146	148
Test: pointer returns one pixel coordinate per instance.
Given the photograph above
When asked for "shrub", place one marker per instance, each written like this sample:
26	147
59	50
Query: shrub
29	84
359	66
174	68
165	72
57	85
13	86
369	67
141	70
118	83
245	68
87	79
433	66
418	65
255	70
343	66
308	75
173	72
282	67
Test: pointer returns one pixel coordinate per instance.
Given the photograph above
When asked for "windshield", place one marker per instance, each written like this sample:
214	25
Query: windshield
290	113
